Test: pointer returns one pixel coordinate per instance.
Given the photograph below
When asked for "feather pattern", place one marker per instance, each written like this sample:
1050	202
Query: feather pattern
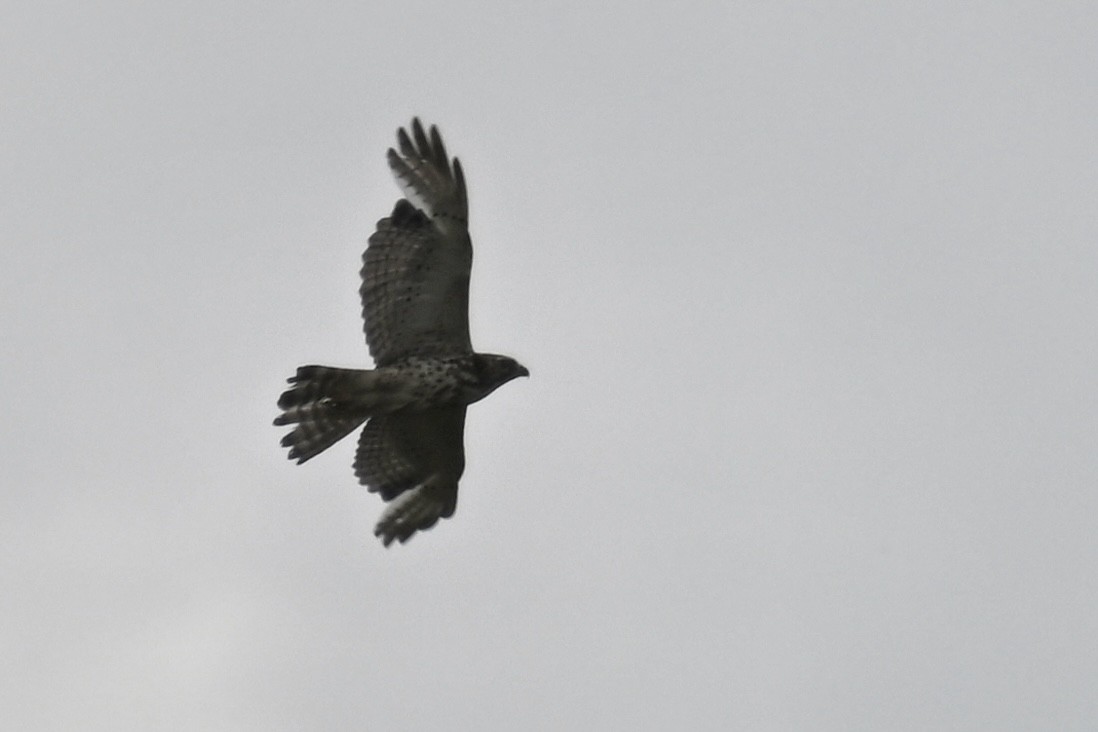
415	308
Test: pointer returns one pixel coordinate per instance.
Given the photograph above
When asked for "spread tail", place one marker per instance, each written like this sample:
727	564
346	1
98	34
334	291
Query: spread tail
326	404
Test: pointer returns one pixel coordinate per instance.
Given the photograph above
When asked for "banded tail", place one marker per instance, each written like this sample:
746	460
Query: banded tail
322	403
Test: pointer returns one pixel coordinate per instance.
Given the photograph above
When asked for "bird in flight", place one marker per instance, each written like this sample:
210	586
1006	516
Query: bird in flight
415	304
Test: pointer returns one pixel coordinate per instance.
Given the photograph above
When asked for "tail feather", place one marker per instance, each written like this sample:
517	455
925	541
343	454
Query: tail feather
310	438
321	403
315	383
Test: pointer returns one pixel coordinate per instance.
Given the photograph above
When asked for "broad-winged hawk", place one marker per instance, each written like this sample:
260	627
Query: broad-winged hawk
415	303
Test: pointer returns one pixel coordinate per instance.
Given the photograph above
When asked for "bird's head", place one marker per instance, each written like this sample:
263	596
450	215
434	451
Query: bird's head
493	371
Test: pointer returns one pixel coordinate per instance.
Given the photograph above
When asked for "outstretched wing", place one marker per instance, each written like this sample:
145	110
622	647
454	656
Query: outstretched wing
415	274
413	459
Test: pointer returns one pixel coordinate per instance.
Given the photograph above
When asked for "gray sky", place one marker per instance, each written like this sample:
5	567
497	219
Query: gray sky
808	292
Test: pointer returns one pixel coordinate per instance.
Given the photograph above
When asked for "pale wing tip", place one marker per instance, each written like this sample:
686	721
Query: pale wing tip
414	510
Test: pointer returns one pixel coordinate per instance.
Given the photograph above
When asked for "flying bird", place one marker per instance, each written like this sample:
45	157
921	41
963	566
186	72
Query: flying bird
415	304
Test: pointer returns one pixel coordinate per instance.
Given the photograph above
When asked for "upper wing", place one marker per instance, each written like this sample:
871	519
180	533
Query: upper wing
415	274
415	460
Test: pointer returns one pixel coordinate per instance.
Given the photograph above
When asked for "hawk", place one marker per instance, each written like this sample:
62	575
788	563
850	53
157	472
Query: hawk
415	304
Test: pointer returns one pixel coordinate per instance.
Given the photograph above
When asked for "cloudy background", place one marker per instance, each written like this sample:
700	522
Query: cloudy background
808	292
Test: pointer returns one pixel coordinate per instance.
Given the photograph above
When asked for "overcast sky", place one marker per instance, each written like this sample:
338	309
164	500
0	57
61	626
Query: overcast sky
809	295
